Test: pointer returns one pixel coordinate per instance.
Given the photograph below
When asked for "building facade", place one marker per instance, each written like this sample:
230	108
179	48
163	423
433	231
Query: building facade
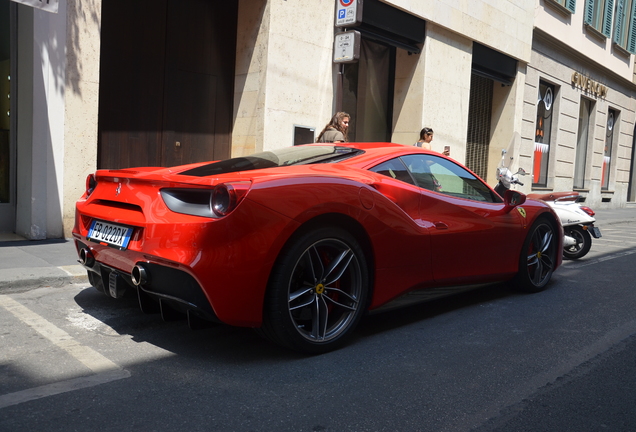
579	118
157	83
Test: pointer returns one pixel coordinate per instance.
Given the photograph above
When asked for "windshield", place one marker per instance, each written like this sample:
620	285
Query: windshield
301	155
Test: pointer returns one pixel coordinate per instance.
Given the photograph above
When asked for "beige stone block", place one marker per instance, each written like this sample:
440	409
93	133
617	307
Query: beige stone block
83	36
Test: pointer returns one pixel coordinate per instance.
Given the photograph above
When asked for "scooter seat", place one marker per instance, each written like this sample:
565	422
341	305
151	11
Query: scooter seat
553	196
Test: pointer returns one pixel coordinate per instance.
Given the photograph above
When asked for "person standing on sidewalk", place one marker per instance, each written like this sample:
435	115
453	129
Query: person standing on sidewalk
426	136
336	129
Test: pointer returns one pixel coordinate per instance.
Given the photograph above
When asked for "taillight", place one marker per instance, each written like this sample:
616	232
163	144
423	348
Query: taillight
227	196
588	210
91	183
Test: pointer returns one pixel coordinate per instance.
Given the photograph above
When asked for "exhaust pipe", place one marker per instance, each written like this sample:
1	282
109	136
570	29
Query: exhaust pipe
139	275
86	257
568	241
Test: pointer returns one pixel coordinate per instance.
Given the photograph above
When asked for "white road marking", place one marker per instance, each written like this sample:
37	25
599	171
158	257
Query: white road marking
597	260
27	395
105	369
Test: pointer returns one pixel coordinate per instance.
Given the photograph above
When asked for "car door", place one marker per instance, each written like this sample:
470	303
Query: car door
414	254
472	237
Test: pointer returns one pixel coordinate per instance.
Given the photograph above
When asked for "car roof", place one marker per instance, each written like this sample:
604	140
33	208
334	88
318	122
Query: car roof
374	151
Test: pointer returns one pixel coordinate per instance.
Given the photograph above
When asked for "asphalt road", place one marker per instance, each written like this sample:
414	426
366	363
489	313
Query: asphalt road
489	360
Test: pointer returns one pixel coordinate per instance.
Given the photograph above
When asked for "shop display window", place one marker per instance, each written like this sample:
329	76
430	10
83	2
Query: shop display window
610	131
543	132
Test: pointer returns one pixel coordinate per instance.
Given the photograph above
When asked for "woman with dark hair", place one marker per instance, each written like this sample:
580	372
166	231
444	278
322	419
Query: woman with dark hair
336	129
426	136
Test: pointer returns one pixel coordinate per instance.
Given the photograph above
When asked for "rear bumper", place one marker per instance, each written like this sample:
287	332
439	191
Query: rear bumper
215	267
166	287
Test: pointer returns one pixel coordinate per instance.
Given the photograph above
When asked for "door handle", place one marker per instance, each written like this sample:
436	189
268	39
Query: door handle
441	225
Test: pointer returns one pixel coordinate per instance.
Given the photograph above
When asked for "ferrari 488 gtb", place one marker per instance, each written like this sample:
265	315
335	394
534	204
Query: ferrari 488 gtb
301	242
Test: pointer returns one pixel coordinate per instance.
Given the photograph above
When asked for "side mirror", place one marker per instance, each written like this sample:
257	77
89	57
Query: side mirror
513	198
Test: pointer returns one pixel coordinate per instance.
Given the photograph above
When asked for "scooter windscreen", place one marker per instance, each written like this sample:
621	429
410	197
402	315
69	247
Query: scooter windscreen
509	162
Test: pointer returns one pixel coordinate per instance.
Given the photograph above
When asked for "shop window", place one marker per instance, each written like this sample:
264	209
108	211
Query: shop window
598	15
543	134
624	34
580	161
610	131
569	5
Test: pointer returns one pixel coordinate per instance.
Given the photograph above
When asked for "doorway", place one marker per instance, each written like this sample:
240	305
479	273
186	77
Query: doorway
7	121
166	82
479	121
367	93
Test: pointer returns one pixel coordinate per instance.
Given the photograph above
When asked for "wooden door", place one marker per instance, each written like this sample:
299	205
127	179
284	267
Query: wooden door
166	82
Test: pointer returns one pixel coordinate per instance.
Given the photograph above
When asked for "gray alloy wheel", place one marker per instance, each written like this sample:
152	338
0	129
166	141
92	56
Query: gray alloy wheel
324	290
538	257
318	292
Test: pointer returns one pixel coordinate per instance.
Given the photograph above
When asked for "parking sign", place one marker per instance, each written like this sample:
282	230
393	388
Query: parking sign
346	47
348	13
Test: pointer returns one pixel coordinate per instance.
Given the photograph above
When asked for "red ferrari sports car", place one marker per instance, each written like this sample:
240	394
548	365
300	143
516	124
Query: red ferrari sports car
300	242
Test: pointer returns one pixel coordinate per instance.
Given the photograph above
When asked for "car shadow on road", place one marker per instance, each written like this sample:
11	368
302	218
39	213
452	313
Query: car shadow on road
234	344
383	321
223	342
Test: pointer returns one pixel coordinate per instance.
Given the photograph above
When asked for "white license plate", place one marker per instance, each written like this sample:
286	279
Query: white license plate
110	233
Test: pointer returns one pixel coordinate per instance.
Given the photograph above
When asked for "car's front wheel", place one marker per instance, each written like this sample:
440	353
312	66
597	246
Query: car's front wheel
318	291
538	257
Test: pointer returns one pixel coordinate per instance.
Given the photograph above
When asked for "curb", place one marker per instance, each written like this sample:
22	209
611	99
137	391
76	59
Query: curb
24	279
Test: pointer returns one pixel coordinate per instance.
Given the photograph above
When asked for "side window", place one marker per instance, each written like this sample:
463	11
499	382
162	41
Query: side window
598	15
570	5
625	25
394	169
443	176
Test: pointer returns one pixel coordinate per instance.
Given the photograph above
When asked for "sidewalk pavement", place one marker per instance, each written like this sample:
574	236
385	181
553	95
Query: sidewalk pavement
26	264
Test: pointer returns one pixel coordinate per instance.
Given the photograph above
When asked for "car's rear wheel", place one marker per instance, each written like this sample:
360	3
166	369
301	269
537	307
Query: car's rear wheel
538	257
318	291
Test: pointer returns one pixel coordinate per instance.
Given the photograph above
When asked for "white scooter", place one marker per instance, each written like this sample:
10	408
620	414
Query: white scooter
577	220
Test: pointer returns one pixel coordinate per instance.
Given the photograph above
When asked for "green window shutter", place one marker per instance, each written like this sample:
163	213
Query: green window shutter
607	18
631	39
618	22
571	5
589	12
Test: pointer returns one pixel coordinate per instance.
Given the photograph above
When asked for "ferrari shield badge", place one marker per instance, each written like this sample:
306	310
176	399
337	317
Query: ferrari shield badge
522	211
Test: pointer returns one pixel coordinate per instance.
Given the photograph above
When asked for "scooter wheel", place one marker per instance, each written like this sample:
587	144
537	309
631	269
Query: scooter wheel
583	242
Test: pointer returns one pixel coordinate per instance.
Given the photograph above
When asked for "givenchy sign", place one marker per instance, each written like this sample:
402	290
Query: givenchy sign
588	85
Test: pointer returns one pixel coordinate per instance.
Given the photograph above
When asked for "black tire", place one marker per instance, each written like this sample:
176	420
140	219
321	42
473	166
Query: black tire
317	292
538	257
583	242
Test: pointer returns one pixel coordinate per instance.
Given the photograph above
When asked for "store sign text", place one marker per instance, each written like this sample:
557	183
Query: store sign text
587	84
